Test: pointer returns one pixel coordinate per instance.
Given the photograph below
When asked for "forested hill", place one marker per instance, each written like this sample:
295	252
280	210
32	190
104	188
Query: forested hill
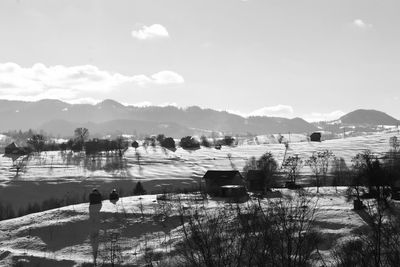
109	116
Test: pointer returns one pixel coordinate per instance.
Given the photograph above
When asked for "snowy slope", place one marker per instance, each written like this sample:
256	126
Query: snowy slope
164	164
53	175
78	233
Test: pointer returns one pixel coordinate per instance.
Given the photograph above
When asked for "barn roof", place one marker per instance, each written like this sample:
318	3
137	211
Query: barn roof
12	145
214	174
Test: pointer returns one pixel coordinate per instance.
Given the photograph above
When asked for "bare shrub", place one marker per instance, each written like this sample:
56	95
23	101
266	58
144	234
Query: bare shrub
277	233
319	164
292	166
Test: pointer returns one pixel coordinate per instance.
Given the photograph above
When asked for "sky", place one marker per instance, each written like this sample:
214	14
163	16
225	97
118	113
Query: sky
315	59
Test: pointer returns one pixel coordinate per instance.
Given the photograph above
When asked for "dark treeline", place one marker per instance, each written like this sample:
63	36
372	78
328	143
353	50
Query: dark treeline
7	210
30	141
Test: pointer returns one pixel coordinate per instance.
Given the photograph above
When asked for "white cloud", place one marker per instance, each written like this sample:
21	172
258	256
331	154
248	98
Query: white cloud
167	77
150	32
361	24
274	111
72	83
315	116
85	100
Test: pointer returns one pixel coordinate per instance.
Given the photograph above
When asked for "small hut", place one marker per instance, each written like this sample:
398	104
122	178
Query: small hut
216	179
13	149
315	137
10	148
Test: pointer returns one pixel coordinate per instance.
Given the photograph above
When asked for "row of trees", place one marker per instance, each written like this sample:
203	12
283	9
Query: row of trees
161	140
318	162
187	142
367	168
80	142
37	142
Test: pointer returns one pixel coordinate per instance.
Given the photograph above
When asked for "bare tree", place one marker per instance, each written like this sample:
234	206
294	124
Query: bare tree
279	233
394	143
19	163
292	166
267	164
37	142
341	172
319	164
81	135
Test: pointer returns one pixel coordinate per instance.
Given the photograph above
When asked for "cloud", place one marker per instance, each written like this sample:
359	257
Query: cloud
150	32
84	100
167	77
274	111
361	24
164	77
73	83
330	116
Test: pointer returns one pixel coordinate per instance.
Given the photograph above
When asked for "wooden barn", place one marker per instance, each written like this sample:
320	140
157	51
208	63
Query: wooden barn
214	180
10	148
255	180
315	137
13	149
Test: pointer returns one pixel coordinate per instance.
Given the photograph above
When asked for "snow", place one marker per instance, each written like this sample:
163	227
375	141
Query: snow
50	175
162	164
53	174
78	233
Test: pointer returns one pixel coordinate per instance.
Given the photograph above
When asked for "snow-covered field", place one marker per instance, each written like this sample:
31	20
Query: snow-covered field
54	175
78	234
163	164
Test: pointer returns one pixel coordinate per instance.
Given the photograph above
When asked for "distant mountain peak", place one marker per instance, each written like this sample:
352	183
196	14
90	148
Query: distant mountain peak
368	116
110	103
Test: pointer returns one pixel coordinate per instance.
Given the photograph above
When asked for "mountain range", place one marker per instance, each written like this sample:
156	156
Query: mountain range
110	117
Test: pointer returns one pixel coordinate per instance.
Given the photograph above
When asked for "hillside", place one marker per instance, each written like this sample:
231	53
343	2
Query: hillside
369	117
120	126
60	118
110	117
53	174
80	235
73	235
